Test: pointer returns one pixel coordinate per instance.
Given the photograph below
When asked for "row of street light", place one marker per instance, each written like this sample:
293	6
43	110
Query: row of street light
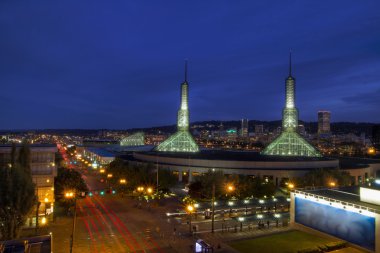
190	208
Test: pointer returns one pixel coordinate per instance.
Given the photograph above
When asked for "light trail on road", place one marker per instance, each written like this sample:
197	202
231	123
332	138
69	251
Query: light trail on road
103	223
82	218
125	234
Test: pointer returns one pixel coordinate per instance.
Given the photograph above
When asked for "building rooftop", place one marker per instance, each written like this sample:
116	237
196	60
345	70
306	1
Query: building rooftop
235	156
346	195
101	152
356	163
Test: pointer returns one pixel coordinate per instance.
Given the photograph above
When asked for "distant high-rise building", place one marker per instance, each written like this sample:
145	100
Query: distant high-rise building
301	130
182	140
232	133
259	129
244	128
290	143
324	122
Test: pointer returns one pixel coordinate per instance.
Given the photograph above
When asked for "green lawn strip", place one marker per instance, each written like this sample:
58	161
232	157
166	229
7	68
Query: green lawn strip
288	242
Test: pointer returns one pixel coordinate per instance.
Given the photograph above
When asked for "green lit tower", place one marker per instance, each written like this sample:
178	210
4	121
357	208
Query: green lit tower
289	142
182	140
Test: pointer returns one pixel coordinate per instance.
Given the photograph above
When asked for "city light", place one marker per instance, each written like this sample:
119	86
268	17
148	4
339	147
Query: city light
291	186
230	188
149	190
190	208
69	194
43	221
371	151
109	175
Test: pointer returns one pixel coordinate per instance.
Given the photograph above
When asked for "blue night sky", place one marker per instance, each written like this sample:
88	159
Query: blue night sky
119	64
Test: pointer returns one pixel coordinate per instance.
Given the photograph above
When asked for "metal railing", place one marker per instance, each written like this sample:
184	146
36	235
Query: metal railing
344	203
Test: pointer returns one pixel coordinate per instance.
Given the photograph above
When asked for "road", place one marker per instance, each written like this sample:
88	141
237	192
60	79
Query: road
111	223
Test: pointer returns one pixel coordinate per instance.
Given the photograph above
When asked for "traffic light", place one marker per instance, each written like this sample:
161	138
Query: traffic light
113	191
90	194
102	193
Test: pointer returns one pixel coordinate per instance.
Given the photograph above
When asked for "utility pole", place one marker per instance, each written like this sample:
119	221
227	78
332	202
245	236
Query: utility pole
212	207
157	174
37	212
73	227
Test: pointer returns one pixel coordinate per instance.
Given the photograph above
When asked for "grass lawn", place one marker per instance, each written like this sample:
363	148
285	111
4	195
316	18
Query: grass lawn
288	242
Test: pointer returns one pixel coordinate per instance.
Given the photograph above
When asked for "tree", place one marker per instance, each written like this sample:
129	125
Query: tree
24	157
166	179
17	193
245	186
325	177
68	180
139	175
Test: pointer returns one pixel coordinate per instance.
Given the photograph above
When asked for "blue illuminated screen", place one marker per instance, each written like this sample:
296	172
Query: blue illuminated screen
349	226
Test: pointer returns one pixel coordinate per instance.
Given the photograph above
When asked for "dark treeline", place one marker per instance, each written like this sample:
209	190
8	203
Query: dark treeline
311	127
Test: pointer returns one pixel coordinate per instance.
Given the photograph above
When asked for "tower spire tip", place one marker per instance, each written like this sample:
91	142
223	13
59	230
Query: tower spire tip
290	62
186	70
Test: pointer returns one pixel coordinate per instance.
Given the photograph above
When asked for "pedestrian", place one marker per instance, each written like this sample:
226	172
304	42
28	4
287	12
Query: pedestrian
268	223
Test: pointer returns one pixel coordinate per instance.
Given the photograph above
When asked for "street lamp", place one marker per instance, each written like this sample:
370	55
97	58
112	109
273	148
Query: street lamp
140	190
123	181
149	190
291	186
43	221
190	210
71	195
109	176
230	188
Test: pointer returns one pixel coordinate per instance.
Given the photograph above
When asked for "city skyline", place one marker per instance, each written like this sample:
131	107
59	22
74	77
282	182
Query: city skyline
110	66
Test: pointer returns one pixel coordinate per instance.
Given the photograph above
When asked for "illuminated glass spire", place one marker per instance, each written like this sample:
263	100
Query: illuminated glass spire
182	140
290	143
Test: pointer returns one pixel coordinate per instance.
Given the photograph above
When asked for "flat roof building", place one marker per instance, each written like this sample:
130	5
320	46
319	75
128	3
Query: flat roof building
350	214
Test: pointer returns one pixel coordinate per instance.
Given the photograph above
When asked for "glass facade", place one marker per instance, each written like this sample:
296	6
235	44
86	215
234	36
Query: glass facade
181	141
290	143
136	139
